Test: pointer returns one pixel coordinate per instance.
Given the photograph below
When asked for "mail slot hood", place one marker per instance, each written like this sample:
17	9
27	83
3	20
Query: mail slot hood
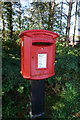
40	34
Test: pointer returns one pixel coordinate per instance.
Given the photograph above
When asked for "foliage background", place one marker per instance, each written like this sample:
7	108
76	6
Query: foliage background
62	91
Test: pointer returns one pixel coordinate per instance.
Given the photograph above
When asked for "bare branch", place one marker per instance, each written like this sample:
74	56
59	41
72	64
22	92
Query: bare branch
64	14
57	4
67	2
72	15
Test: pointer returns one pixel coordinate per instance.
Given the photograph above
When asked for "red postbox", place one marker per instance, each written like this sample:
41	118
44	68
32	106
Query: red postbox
37	54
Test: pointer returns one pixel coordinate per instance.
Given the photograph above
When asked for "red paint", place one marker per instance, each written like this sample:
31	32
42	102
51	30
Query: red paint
34	42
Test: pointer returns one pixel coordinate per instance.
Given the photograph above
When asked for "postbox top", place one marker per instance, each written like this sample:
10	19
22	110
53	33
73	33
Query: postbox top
33	33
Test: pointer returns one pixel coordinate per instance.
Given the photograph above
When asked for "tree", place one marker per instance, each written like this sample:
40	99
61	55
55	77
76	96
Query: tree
70	3
19	15
18	11
3	22
9	12
51	16
61	15
75	22
44	15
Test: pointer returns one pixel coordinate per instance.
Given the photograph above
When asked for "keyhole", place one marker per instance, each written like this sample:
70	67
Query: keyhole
41	48
32	57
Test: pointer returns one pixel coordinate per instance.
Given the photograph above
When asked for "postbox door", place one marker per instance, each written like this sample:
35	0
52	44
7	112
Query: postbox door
42	59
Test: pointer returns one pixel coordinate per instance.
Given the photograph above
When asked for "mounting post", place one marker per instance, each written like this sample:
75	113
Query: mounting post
37	100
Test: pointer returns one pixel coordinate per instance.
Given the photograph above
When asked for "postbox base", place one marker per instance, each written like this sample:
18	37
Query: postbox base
37	100
38	77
